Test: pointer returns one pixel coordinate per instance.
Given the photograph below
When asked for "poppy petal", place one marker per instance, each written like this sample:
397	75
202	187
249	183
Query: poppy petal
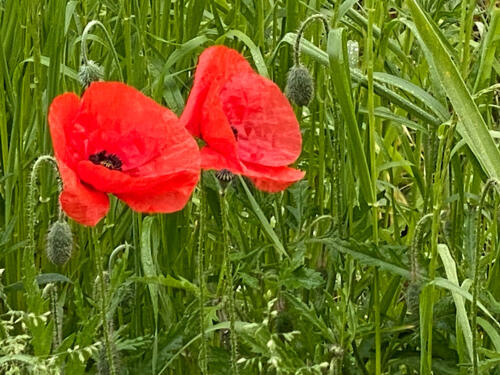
82	204
268	132
62	112
159	202
272	179
215	129
215	65
85	206
120	120
212	160
177	167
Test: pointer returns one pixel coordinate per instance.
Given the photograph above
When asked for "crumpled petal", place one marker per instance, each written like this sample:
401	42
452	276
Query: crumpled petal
213	160
272	179
177	167
62	111
81	203
268	132
121	120
85	206
215	129
165	202
215	65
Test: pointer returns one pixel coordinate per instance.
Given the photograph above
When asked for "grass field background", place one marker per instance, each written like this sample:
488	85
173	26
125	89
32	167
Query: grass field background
384	259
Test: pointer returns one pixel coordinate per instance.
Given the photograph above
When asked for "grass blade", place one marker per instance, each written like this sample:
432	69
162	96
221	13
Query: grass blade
472	126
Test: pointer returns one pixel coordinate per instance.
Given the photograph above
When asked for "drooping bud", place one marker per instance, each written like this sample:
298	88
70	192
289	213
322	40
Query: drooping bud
299	87
59	243
89	72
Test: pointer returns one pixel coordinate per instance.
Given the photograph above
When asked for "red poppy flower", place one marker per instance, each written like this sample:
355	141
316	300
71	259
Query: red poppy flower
116	140
245	120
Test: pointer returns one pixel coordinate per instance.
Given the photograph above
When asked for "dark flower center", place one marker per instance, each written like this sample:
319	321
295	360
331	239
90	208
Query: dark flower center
235	132
110	161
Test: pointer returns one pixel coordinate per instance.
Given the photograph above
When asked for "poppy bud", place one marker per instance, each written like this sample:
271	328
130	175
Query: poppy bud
299	87
89	72
59	243
225	176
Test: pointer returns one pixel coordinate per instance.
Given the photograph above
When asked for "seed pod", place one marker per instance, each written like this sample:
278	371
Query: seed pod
59	243
299	87
89	72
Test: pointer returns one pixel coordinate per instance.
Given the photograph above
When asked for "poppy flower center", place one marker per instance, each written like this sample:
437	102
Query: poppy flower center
110	161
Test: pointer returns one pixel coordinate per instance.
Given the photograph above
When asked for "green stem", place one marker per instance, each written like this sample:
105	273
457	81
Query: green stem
230	287
201	279
373	171
84	51
491	183
29	274
103	303
427	315
300	33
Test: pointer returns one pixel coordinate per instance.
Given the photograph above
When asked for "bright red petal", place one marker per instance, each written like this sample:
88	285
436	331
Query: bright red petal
268	132
212	160
62	112
164	202
80	203
216	64
176	168
120	120
272	179
215	129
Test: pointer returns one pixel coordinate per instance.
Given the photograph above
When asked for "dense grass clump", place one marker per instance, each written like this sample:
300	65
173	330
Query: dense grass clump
384	259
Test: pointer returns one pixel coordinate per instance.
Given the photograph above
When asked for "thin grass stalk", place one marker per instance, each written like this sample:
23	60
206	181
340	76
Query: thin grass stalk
230	288
439	182
103	303
373	172
490	184
201	279
465	34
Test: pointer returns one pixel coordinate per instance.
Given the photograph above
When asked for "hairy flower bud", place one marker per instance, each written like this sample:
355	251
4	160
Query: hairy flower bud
89	72
59	243
299	87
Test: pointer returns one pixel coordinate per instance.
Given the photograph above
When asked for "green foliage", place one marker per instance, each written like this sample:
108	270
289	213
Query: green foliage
332	276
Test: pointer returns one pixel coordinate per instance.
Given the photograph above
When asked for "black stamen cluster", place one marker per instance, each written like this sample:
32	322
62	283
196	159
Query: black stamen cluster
110	161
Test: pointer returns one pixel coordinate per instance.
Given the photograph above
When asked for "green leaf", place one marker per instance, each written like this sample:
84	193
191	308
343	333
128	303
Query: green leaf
147	262
260	64
339	65
265	224
451	274
41	279
362	254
